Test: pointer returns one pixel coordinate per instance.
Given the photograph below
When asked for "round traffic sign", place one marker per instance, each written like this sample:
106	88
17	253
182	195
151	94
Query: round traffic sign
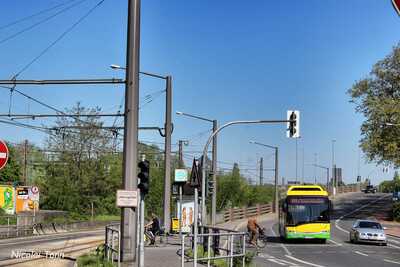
3	154
35	190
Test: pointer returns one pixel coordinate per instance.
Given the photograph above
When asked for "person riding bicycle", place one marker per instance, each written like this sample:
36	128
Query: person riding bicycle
154	225
252	227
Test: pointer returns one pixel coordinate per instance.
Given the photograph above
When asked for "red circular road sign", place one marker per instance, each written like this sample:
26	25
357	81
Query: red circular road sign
3	154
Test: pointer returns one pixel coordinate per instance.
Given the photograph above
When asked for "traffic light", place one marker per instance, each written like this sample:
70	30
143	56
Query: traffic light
144	176
293	126
210	184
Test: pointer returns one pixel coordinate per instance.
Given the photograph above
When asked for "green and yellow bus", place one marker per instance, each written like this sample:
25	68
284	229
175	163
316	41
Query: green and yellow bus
305	213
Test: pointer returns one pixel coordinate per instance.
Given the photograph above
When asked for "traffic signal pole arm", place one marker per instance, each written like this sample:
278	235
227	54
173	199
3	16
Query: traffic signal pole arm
203	182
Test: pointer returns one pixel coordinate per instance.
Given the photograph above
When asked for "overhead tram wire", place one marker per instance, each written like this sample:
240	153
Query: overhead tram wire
12	36
68	30
34	15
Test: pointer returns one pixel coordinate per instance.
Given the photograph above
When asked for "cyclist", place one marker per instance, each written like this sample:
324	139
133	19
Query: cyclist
154	225
252	227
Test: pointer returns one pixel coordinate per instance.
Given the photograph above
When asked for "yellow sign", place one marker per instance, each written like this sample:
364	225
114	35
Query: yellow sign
175	224
27	199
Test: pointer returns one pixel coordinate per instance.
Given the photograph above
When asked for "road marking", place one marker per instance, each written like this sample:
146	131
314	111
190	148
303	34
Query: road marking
304	262
359	208
334	242
274	260
395	262
360	253
282	245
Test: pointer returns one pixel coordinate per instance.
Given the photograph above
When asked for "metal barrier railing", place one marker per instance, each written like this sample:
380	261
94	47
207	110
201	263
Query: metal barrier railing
112	243
233	246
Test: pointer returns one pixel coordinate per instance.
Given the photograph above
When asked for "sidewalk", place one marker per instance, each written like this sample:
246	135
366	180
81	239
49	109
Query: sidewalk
393	228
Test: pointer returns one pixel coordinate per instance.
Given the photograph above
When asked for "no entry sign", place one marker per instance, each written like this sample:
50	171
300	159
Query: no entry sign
3	154
396	5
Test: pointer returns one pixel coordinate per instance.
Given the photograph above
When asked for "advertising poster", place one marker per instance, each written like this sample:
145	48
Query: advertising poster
7	199
27	199
187	210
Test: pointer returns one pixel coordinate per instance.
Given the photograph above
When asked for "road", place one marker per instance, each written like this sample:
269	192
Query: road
338	251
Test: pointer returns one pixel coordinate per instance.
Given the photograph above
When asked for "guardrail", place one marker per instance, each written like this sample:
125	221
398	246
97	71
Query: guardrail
217	243
112	243
241	213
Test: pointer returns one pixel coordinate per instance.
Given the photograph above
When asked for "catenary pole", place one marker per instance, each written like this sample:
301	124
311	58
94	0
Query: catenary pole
167	149
214	177
128	215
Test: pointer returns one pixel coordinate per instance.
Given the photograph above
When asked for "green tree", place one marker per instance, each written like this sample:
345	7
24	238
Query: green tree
377	97
12	171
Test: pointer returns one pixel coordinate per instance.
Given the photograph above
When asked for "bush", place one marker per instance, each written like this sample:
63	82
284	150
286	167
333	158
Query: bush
94	259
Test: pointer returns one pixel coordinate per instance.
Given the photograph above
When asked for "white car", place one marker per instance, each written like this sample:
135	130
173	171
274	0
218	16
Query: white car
368	231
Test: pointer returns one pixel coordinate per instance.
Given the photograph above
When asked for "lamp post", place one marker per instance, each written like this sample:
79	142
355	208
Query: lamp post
203	186
167	148
334	182
327	174
214	163
276	196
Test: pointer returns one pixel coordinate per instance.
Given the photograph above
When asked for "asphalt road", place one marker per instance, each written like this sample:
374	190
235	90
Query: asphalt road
338	251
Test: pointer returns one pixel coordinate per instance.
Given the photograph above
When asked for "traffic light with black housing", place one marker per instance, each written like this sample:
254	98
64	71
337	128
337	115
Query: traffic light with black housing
293	116
144	176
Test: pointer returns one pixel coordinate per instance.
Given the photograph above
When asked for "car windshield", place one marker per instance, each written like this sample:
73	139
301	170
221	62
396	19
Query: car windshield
307	210
373	225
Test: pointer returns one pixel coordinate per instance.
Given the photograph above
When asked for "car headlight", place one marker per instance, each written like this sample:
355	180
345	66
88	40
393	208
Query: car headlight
363	234
381	235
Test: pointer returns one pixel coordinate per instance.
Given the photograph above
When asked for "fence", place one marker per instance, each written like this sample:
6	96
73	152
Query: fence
241	213
218	243
112	243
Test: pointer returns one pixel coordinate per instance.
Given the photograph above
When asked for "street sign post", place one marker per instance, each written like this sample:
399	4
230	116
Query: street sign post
4	153
127	198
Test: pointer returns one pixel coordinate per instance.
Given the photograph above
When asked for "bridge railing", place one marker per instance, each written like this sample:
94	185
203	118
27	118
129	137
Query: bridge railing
246	212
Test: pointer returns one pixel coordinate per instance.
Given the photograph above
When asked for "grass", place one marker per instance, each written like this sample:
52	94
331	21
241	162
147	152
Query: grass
94	259
76	217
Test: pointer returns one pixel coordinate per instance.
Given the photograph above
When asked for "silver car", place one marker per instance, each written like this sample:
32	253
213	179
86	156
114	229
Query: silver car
368	231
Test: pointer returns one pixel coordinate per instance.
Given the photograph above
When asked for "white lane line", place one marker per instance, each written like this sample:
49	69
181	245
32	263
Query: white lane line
359	208
395	262
282	245
360	253
277	262
334	242
304	262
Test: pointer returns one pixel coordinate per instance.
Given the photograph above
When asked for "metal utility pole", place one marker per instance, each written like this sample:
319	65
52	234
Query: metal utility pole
214	164
25	162
327	174
167	149
261	171
180	153
276	191
203	183
302	167
214	176
333	168
275	205
296	161
128	215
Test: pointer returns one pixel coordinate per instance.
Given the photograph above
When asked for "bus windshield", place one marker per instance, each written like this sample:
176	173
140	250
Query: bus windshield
302	210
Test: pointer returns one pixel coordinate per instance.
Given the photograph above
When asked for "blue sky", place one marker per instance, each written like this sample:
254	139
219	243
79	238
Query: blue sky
229	60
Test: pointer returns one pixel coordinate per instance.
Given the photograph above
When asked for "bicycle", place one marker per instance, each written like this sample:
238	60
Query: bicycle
261	238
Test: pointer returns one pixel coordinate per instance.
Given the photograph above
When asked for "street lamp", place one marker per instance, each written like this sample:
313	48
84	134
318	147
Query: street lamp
167	147
334	182
276	196
214	164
